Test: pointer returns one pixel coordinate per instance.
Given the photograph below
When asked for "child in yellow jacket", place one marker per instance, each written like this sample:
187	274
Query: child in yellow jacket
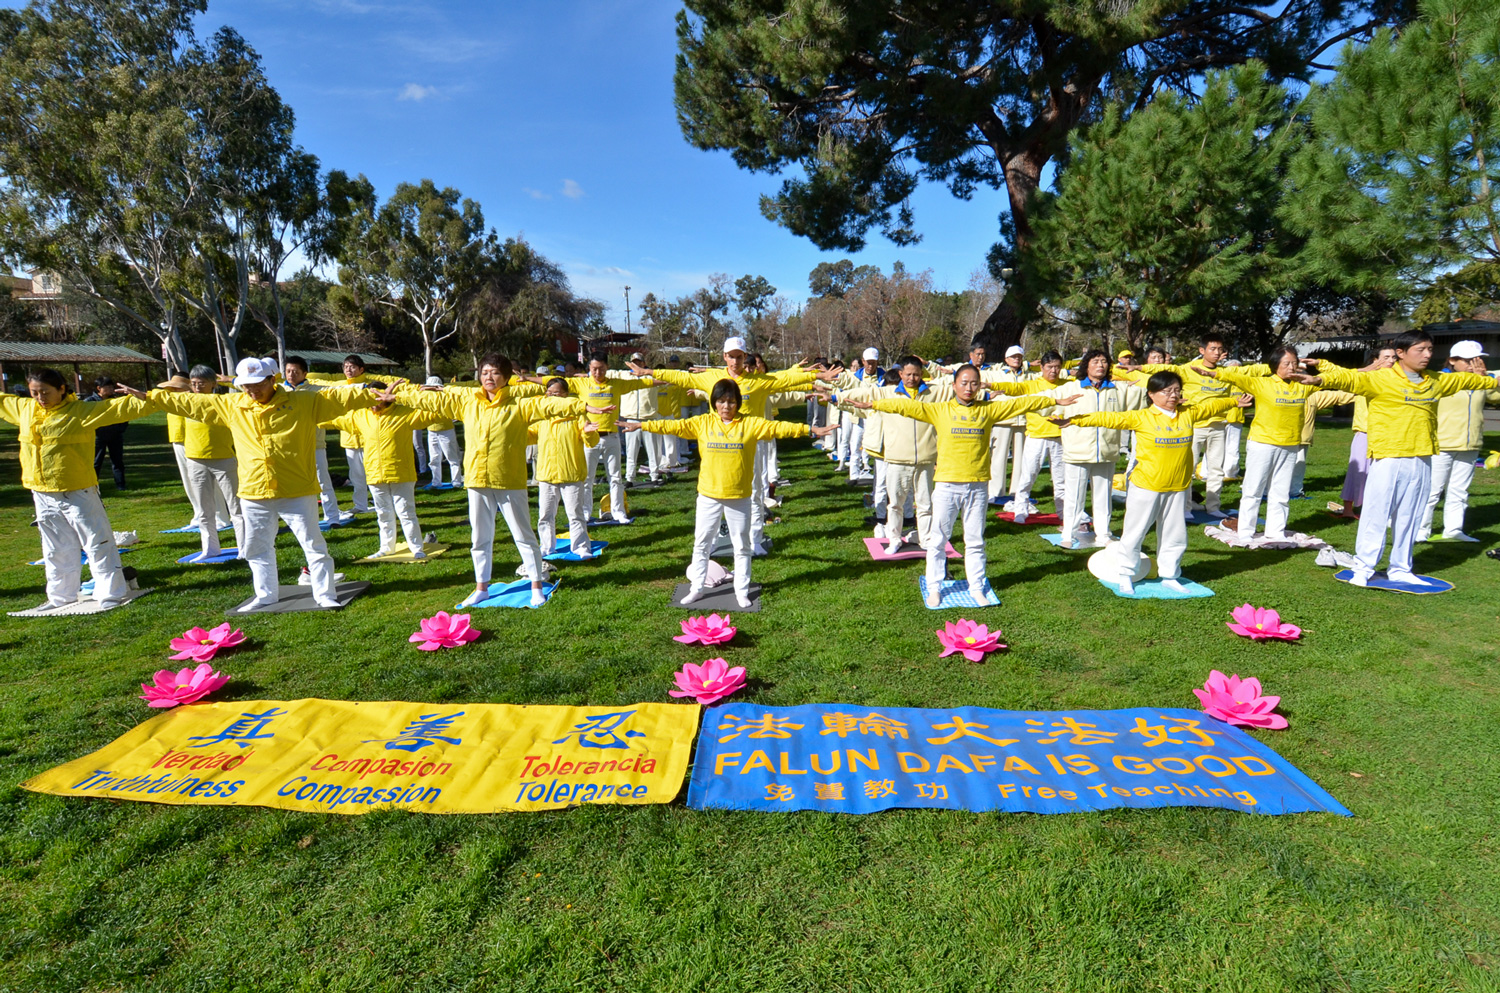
1163	473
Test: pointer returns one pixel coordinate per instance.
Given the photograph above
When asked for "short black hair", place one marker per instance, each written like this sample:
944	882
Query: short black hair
1406	339
356	360
103	380
297	361
1162	380
1272	357
599	357
1051	356
726	389
1089	356
1209	337
47	377
500	362
911	360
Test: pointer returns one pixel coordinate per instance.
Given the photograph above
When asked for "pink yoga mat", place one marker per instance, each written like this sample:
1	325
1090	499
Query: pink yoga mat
877	552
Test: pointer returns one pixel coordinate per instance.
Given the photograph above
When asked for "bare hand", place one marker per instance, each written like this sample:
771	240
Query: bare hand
131	391
430	389
384	396
1244	400
628	426
829	375
1205	371
600	410
1305	379
1068	401
859	404
826	429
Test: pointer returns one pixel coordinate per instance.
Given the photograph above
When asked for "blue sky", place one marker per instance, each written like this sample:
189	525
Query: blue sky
557	117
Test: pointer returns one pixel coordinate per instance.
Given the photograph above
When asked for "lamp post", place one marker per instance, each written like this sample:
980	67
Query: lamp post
627	310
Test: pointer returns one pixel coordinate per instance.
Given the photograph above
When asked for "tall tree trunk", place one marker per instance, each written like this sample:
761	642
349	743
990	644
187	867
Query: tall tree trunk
1007	322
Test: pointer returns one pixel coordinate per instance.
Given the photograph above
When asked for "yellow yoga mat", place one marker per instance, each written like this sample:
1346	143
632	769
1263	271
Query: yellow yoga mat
343	757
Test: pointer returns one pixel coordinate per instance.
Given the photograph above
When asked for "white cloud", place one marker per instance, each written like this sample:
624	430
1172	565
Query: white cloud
536	194
415	91
572	190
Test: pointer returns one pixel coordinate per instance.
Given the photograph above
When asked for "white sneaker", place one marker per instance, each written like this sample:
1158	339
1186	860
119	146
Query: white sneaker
880	532
255	605
418	555
1423	534
1009	506
759	549
329	604
934	597
693	595
743	599
1359	579
894	547
586	553
1020	518
478	596
1458	536
620	518
1411	579
911	538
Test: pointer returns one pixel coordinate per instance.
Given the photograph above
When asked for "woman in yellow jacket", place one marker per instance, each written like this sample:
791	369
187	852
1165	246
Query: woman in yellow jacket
213	481
57	466
274	433
961	487
560	469
390	468
726	477
495	416
1158	485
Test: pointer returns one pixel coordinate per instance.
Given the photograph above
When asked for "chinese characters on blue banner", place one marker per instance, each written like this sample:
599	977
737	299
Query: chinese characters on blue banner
858	760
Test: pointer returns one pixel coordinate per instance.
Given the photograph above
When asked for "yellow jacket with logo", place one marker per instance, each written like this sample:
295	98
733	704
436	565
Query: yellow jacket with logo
57	442
1403	414
1460	420
727	450
1163	441
206	442
1280	406
606	394
963	431
273	442
906	441
494	430
389	455
560	442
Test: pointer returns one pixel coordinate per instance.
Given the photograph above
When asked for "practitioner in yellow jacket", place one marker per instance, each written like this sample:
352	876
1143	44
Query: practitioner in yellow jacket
354	453
962	474
495	416
1402	439
274	432
1163	473
1460	437
561	466
1209	435
213	478
57	466
1043	441
726	477
390	468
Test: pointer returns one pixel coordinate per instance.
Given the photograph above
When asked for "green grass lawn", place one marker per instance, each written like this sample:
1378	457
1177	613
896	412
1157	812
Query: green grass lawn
1392	701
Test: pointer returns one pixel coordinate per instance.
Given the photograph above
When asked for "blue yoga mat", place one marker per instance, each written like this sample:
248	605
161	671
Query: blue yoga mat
327	525
1380	582
1152	589
955	593
604	522
192	529
564	551
1084	545
225	555
437	486
83	557
517	594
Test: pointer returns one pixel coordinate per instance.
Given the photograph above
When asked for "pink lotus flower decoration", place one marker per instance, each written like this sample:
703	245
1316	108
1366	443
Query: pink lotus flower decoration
710	630
444	630
168	688
200	645
1238	701
1262	625
710	682
974	640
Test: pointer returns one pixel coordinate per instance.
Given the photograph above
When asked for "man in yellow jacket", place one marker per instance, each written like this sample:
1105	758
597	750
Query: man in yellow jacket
274	434
390	468
213	480
295	379
353	445
1403	439
1209	435
1460	437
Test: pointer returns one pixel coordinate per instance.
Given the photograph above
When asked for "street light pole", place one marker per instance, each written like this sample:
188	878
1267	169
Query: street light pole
627	310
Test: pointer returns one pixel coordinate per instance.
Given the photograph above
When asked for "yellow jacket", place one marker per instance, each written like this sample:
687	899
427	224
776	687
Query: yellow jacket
727	450
1082	445
1163	442
206	441
389	455
1037	425
175	428
1279	406
753	386
1196	388
963	431
560	442
669	399
1321	400
998	372
905	441
349	439
57	442
1361	414
273	442
1460	420
1403	414
494	430
605	394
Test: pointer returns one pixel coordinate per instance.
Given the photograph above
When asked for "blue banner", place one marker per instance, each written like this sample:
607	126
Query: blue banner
857	760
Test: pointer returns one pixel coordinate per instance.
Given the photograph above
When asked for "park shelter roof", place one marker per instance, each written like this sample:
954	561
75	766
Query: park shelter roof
337	358
51	351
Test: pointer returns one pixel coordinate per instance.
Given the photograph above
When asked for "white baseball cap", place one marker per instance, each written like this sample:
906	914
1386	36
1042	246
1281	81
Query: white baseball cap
636	356
1014	350
248	371
434	380
735	345
1466	349
871	355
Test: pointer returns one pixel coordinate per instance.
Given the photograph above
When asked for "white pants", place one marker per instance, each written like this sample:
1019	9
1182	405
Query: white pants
773	463
880	494
951	502
356	459
484	504
1453	471
72	524
570	495
736	515
859	462
330	497
419	444
1232	434
1078	476
1168	511
847	420
1268	473
609	450
1006	440
301	516
1208	447
907	484
1035	451
633	443
396	502
669	452
760	488
214	482
179	452
442	446
1299	470
1396	491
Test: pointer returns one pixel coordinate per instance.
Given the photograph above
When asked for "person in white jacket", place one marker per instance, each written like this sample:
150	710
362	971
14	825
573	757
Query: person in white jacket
1007	441
851	428
1460	436
640	406
1089	454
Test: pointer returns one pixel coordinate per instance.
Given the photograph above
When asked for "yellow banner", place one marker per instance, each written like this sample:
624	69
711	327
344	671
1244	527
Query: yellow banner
340	757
